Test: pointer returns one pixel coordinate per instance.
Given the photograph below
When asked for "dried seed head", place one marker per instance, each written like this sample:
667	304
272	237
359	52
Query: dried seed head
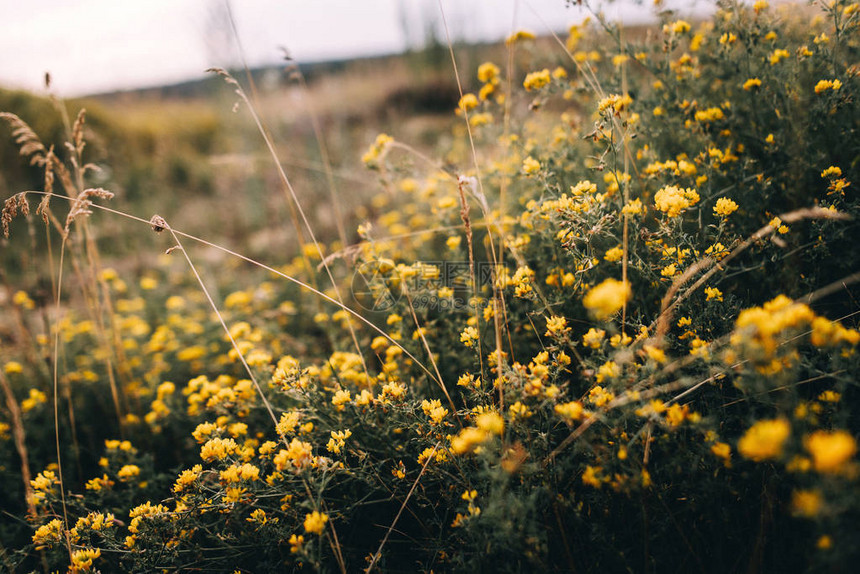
82	204
10	210
78	131
29	144
158	223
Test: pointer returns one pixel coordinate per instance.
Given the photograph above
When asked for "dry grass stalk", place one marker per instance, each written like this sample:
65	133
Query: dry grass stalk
78	142
28	142
82	204
11	207
706	262
378	552
463	182
20	441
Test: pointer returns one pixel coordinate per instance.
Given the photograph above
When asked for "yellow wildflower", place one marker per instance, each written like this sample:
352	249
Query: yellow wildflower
571	411
752	84
128	472
764	439
488	72
614	254
593	338
537	80
725	207
341	398
519	36
13	367
590	476
806	503
315	522
672	200
830	451
712	293
607	298
82	560
468	102
48	534
556	325
531	166
824	85
469	336
338	440
777	55
467	440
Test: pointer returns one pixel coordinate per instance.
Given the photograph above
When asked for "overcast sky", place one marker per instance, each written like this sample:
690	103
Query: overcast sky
92	46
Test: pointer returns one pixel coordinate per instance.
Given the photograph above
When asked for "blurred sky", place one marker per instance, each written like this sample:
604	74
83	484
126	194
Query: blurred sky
92	46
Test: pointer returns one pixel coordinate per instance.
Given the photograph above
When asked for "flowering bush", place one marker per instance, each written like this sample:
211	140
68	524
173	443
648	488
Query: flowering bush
636	352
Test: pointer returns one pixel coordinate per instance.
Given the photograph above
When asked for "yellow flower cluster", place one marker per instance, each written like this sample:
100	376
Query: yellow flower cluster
672	200
522	281
676	27
377	150
556	326
570	411
762	325
298	455
824	85
671	166
725	207
187	478
614	254
315	522
468	102
531	166
82	560
607	298
752	84
240	472
468	439
713	294
137	514
338	440
831	451
13	367
341	398
48	534
764	440
709	115
488	73
537	80
519	36
614	104
218	449
128	472
777	55
593	338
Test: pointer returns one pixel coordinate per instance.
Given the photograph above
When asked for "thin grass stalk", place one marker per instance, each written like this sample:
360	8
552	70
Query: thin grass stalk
467	224
163	224
292	194
20	442
378	553
324	156
287	185
497	324
420	332
56	359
